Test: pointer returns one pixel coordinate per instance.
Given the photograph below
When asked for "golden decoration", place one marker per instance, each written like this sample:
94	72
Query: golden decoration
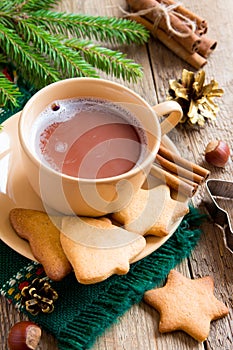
39	296
195	98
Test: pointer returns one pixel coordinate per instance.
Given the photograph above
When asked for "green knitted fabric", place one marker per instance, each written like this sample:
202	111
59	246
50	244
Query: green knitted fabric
83	312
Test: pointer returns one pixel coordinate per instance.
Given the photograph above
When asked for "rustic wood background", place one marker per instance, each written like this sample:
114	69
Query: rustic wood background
138	328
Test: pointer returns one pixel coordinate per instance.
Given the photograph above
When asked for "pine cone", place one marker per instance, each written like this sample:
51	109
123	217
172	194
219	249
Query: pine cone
195	98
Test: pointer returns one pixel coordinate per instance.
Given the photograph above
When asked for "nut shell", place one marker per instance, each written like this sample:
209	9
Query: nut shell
24	335
217	153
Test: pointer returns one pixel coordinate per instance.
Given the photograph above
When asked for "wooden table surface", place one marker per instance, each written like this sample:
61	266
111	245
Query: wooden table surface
138	328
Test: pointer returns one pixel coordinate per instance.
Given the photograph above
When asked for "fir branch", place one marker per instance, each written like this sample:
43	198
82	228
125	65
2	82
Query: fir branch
35	67
6	20
110	29
6	5
36	41
34	5
8	92
28	5
109	61
3	59
69	62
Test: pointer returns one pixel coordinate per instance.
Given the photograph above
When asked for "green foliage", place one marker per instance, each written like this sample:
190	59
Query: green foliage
8	92
110	29
46	46
110	61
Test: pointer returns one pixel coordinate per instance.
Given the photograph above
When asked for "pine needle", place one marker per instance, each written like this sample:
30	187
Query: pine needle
69	62
9	92
110	29
24	55
109	61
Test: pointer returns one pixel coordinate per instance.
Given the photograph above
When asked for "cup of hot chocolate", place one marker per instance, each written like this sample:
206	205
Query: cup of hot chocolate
88	144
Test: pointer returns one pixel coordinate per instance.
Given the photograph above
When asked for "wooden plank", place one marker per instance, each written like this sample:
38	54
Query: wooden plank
138	328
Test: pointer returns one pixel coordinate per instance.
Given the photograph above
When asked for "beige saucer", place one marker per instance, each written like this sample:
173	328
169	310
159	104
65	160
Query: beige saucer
15	191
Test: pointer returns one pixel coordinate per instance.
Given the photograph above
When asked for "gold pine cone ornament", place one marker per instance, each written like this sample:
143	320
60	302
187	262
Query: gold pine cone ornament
195	98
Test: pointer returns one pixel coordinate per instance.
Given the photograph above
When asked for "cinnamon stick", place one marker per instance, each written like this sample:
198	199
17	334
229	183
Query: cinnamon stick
190	42
195	168
206	46
190	182
195	60
178	173
179	170
174	182
201	23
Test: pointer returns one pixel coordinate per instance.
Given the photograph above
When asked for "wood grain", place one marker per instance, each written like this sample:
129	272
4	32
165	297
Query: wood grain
138	328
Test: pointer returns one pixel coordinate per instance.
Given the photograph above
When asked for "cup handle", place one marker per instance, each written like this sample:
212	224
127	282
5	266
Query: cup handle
175	114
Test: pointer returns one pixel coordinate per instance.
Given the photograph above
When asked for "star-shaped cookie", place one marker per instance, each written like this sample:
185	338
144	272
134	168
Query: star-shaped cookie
151	212
186	304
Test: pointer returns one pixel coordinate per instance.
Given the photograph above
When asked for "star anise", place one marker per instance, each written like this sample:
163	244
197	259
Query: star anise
39	296
195	98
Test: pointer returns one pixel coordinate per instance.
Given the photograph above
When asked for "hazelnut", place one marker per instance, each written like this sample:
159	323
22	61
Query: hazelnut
217	153
24	335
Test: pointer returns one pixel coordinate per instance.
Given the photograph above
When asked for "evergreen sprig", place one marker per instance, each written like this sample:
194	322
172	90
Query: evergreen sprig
9	92
110	29
110	61
37	41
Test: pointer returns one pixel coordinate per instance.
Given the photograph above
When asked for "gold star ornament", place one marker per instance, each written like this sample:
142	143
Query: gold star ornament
186	304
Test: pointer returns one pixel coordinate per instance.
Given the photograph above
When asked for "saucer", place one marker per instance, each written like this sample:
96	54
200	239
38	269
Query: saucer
16	192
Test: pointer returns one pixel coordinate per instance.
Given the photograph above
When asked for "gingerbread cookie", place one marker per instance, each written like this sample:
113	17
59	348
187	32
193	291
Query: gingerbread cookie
151	212
186	304
97	249
44	239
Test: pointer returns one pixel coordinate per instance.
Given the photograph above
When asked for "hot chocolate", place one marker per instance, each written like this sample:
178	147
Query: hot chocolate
89	138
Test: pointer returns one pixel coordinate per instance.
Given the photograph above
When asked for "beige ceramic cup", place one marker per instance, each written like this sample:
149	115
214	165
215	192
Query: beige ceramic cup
92	197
